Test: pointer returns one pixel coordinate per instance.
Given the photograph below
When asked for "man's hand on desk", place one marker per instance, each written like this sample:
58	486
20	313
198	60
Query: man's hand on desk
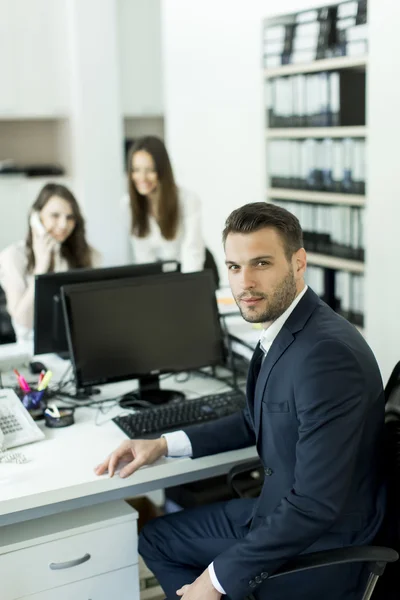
137	453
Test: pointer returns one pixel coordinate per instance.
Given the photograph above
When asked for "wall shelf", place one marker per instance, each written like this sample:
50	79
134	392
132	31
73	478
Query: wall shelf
332	137
316	197
333	262
326	64
316	132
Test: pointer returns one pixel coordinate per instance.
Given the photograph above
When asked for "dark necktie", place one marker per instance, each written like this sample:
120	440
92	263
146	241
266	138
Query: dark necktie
257	362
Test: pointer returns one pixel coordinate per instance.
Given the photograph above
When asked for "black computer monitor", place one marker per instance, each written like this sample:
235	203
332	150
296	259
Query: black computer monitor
142	327
49	327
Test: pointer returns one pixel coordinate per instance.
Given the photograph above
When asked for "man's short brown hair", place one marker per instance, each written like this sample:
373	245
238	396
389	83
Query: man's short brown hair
258	215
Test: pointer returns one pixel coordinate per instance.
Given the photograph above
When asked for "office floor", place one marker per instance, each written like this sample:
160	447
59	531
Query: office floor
149	588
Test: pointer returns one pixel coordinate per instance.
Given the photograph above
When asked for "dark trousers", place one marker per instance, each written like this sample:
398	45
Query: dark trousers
177	548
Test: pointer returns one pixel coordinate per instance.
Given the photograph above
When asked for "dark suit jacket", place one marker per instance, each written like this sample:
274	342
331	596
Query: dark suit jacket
316	414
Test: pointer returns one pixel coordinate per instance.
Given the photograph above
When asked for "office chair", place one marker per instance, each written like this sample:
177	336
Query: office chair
7	335
210	263
246	479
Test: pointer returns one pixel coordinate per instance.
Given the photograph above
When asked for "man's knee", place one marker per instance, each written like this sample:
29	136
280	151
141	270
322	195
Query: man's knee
148	537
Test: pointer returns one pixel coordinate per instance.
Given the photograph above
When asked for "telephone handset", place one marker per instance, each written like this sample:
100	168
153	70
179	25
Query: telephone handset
37	224
39	228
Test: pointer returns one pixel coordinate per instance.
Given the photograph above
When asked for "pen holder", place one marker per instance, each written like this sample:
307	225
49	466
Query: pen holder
32	399
35	403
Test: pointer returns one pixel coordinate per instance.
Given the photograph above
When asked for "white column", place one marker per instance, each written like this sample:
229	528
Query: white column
96	123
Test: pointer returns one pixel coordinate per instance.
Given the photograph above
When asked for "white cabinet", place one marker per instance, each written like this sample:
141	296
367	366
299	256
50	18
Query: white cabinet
139	39
33	47
122	584
89	553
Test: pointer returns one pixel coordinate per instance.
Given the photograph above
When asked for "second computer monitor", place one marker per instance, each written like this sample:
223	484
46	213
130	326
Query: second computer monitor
49	326
142	327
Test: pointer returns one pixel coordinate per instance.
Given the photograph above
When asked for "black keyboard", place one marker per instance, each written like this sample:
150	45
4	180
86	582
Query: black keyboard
171	417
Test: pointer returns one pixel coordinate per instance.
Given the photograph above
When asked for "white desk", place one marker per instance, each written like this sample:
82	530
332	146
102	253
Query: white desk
59	475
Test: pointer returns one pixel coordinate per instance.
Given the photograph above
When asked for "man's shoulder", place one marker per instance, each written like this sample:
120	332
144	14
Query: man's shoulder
328	334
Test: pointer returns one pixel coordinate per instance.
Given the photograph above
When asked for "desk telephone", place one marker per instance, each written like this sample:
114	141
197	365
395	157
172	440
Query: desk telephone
16	424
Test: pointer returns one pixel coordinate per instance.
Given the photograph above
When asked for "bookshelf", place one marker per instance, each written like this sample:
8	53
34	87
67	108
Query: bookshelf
332	262
314	72
316	197
327	64
316	132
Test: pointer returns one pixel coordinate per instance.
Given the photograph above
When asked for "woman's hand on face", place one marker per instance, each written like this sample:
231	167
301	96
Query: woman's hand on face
44	246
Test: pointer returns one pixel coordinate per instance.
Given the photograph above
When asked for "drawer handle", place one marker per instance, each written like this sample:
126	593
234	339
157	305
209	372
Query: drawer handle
69	564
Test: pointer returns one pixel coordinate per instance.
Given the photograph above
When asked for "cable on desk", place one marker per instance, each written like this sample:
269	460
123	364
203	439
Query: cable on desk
226	380
62	383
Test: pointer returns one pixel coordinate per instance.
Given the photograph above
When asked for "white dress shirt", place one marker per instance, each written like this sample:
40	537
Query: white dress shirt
178	442
188	245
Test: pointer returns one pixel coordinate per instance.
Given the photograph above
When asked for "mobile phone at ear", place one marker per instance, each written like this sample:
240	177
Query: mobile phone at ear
37	224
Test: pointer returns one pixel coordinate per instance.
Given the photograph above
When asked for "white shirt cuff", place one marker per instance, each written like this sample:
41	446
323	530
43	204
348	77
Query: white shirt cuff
214	579
178	444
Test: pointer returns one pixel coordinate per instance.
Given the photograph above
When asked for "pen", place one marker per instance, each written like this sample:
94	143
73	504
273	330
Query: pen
22	382
45	381
42	374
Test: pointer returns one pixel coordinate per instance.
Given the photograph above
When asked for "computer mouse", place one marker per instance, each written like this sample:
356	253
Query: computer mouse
36	367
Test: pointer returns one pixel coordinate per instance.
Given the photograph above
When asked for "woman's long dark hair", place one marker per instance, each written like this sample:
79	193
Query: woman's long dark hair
168	210
75	249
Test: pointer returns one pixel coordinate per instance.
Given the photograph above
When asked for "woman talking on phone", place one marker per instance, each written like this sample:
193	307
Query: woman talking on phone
164	220
55	242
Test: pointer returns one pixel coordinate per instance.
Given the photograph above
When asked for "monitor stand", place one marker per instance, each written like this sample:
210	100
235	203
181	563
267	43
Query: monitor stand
149	392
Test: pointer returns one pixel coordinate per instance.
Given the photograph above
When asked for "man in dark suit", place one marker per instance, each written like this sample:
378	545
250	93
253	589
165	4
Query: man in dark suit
315	410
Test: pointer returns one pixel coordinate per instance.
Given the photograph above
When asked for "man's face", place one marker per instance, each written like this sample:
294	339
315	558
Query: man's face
263	281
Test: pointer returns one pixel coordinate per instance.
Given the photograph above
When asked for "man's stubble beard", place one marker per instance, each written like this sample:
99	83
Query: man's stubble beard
281	298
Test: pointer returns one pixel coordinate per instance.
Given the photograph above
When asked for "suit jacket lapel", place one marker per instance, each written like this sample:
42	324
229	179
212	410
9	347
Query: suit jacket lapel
282	341
295	323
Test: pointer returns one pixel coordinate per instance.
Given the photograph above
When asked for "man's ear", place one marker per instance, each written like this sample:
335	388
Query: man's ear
299	263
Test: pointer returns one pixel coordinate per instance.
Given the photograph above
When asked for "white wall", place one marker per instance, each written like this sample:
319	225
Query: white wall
213	102
75	66
383	208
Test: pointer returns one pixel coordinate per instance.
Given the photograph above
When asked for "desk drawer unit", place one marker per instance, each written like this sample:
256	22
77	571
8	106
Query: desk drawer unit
77	546
121	585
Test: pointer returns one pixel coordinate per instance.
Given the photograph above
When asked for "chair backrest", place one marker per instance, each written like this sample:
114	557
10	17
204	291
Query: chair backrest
7	335
392	388
389	585
392	453
210	263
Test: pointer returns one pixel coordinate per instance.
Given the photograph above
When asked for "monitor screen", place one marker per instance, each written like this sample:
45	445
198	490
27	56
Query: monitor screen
140	327
49	326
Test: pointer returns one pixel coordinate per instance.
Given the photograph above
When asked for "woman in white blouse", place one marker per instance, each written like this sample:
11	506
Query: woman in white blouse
164	221
55	242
